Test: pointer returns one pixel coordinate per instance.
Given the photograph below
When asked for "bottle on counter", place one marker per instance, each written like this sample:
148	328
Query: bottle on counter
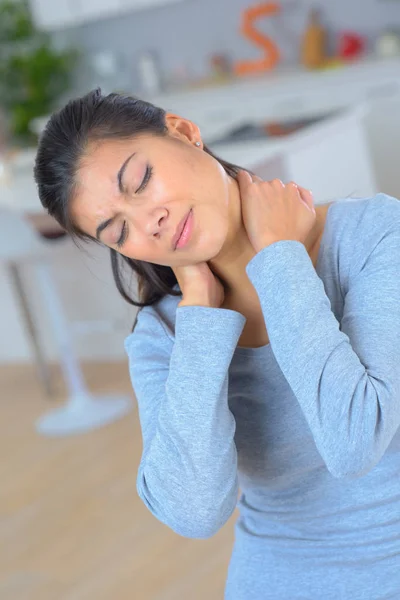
313	47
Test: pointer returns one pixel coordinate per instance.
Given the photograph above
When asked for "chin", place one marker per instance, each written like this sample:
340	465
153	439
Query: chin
211	249
210	236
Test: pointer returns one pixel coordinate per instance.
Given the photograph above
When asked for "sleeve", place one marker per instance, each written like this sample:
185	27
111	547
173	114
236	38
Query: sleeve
188	471
345	376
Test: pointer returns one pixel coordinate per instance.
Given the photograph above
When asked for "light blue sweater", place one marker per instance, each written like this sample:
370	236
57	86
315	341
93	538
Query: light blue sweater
307	426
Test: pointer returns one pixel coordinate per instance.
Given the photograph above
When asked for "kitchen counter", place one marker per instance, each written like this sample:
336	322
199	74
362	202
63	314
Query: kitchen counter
286	93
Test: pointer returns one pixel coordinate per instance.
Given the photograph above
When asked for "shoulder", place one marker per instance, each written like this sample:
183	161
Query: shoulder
374	214
355	226
155	326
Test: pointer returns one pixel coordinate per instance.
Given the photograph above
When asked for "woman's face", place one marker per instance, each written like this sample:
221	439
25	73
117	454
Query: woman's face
133	194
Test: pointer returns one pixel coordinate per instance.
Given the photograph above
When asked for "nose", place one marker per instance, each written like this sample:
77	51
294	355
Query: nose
152	222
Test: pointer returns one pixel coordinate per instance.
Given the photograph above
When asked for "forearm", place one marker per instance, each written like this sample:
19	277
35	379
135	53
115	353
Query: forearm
188	472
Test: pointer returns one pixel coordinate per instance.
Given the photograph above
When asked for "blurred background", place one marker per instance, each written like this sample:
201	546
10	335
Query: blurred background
301	90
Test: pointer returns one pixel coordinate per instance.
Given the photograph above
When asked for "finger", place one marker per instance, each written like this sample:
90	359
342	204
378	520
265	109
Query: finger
292	186
257	179
307	197
244	179
301	194
185	273
245	175
277	184
294	191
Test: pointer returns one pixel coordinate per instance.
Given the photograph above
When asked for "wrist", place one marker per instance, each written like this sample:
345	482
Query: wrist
265	243
193	303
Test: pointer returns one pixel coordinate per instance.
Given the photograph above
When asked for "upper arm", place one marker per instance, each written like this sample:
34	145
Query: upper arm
148	350
371	316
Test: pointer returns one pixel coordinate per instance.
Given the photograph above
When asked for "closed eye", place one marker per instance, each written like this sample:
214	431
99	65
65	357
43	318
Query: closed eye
124	230
123	236
146	179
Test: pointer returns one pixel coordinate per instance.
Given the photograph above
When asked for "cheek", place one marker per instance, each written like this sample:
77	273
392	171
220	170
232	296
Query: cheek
214	180
161	189
136	250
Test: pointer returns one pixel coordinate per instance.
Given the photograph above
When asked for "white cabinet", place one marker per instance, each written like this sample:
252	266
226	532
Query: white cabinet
331	157
51	15
383	135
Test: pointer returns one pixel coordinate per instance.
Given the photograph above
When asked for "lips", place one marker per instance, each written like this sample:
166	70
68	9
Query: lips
179	230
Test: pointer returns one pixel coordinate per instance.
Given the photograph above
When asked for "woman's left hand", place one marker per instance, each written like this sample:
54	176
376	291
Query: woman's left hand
272	211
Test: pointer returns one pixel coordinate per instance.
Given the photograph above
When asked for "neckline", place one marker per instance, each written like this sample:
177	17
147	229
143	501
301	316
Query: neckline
321	254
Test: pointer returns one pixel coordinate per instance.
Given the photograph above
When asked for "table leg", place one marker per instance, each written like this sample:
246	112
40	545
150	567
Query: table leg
41	364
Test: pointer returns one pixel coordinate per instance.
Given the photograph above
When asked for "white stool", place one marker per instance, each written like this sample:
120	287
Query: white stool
21	244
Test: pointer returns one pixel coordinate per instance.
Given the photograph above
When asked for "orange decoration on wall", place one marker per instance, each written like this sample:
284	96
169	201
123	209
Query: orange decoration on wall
248	29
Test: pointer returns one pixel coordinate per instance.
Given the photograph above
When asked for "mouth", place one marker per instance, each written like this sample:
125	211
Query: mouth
183	231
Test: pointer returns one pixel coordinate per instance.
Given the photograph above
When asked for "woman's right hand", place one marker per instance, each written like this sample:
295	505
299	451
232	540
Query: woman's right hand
199	286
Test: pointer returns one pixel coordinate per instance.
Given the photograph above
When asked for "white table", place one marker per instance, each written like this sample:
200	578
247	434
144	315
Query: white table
84	280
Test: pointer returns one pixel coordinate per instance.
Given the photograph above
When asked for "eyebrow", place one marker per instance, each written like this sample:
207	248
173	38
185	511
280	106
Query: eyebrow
120	175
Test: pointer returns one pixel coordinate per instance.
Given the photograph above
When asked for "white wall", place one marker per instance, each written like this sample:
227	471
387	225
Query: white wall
188	33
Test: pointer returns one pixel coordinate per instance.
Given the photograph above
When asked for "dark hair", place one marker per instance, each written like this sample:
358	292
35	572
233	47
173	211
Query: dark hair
95	117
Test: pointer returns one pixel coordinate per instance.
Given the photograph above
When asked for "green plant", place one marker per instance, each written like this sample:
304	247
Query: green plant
33	75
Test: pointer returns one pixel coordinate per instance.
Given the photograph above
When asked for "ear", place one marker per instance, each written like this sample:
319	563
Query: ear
183	129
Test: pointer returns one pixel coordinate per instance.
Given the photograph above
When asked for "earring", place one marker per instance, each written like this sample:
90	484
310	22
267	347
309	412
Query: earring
198	144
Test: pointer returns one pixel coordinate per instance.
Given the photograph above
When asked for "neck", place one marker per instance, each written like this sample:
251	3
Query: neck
230	264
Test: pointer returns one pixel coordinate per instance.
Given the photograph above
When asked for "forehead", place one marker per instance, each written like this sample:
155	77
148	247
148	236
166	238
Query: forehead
102	160
96	190
103	156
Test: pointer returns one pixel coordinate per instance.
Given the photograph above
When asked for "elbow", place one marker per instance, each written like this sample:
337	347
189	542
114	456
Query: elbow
200	527
345	474
360	441
356	460
351	469
196	518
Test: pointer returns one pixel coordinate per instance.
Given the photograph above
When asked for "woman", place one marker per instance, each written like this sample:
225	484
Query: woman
266	354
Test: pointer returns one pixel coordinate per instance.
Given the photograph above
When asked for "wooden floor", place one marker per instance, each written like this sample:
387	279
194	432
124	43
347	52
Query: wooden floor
71	524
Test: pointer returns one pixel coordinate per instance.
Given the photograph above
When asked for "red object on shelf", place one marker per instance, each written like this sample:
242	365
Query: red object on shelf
351	45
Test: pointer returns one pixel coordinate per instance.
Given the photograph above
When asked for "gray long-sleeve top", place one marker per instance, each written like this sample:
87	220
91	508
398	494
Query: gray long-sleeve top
307	425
